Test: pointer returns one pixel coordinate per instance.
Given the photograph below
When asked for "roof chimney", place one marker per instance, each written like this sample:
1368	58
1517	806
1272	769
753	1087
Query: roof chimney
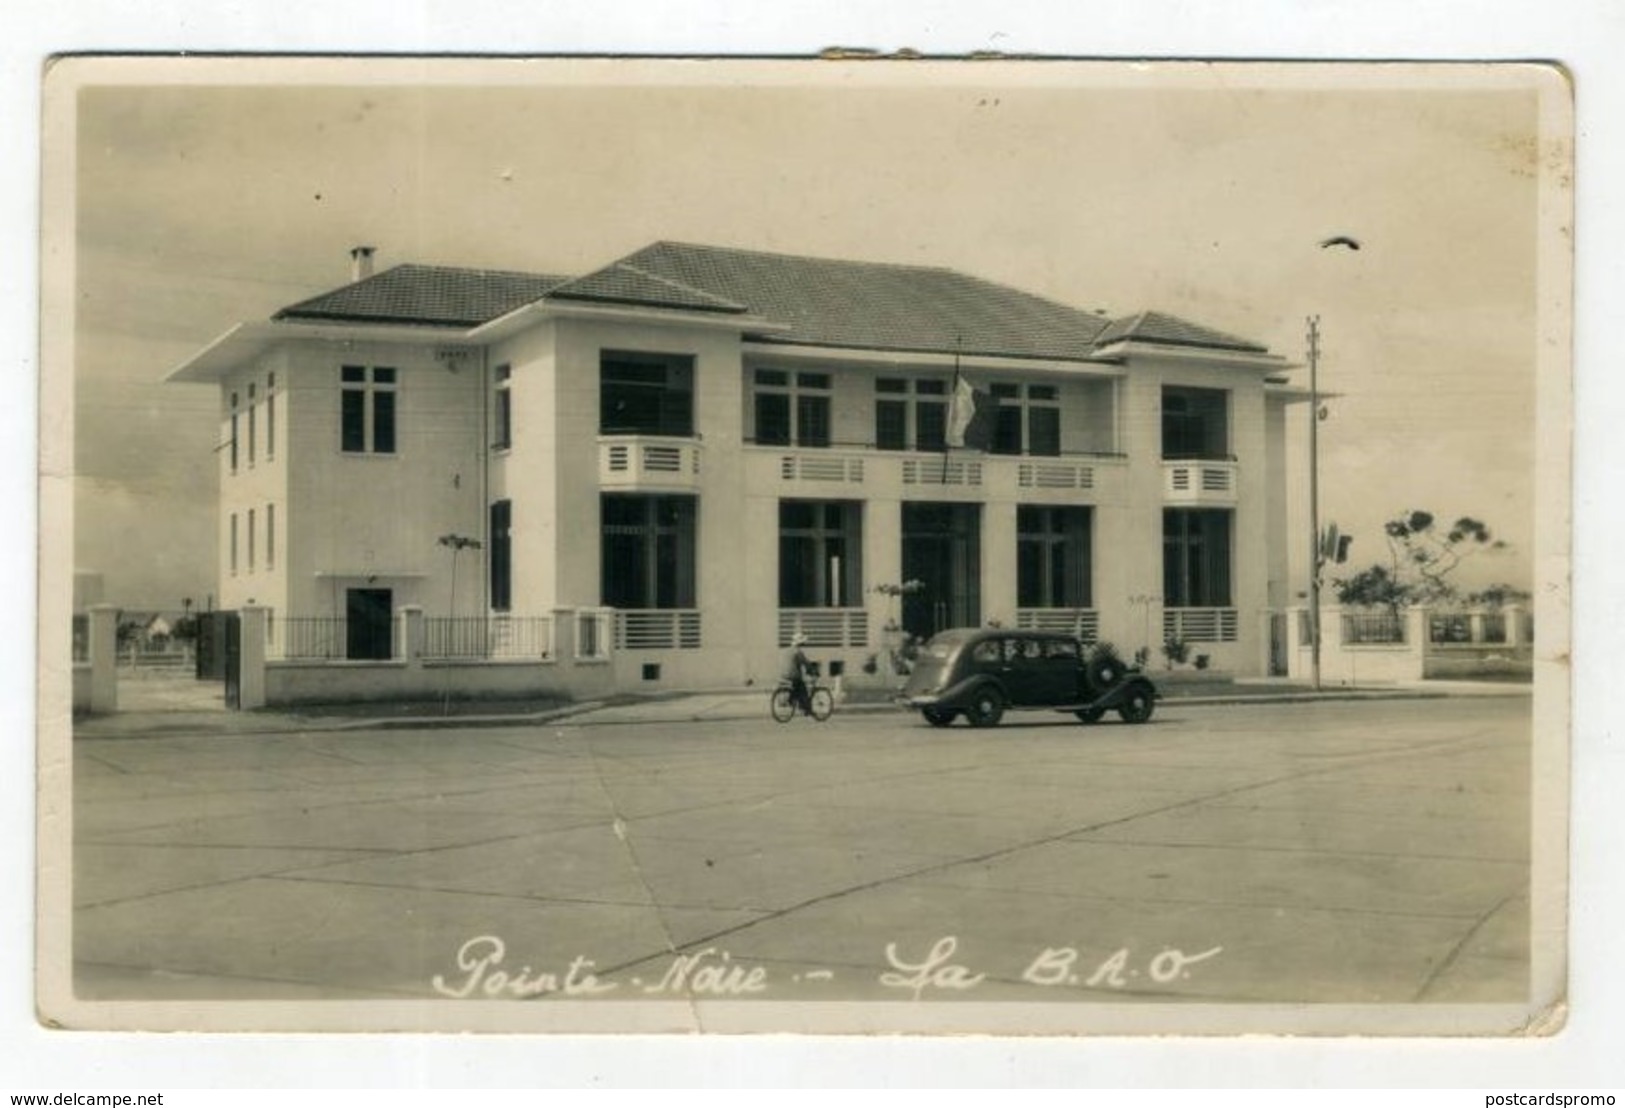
361	262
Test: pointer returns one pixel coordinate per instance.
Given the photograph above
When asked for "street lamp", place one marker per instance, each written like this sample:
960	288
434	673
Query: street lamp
1314	501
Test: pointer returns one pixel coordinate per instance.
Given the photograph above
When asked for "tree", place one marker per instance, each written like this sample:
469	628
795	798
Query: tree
1421	559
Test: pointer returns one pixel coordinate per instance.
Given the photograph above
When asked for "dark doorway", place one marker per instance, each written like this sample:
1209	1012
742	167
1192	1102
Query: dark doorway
942	546
367	623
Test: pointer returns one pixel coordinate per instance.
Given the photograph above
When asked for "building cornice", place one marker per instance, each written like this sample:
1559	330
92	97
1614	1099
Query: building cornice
1206	355
807	353
539	311
247	341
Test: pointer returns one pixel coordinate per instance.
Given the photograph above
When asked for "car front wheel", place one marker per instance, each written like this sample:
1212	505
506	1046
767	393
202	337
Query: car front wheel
1089	715
1138	704
938	717
986	708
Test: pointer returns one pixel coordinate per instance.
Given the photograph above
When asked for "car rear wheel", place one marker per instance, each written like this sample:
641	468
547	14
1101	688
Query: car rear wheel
1089	715
1138	704
938	717
986	708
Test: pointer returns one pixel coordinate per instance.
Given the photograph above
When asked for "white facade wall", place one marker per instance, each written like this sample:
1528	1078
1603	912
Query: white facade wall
258	484
373	520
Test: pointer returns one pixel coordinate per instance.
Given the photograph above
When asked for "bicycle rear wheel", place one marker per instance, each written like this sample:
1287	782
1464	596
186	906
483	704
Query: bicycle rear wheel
823	704
781	705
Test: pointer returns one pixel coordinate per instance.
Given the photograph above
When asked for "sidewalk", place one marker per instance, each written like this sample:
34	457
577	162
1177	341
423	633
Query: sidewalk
688	707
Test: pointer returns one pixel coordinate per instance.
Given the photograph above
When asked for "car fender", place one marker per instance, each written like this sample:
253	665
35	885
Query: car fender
960	692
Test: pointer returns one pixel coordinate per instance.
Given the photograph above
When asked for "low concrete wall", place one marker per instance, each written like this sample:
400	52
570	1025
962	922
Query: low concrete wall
82	674
283	683
1445	662
289	683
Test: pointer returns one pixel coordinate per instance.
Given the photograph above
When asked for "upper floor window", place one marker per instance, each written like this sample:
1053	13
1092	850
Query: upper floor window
232	441
1195	423
911	414
367	409
1028	420
270	416
646	394
502	409
792	408
253	412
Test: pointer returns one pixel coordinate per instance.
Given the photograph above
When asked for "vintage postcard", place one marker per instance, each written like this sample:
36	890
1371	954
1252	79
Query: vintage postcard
844	545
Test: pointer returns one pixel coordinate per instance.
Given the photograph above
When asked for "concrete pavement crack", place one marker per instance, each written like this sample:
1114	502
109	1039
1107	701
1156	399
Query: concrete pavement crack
1045	840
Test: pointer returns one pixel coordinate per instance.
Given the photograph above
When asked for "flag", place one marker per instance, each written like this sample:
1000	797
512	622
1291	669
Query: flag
970	416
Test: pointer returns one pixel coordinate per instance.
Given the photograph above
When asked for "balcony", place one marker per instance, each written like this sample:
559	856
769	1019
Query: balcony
1199	482
648	463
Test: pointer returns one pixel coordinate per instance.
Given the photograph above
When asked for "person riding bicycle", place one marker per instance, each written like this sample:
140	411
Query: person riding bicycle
797	668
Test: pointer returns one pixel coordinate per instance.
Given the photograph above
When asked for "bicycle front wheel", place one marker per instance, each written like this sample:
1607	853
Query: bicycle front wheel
823	704
781	705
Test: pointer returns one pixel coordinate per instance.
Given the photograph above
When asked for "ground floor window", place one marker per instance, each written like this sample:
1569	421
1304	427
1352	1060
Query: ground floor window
820	554
1053	557
501	554
1196	558
942	550
648	551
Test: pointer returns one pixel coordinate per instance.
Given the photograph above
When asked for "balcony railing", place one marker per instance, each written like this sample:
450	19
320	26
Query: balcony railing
1199	624
1082	623
488	637
928	470
822	465
1210	482
657	629
1055	475
648	461
827	627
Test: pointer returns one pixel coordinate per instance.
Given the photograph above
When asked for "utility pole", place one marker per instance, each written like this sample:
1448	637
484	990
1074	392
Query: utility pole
1314	500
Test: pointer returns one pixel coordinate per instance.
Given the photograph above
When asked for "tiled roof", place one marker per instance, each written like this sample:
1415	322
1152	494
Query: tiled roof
811	301
623	283
869	305
1170	330
427	295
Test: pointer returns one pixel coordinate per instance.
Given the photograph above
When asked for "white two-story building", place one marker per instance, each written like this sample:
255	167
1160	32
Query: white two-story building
726	447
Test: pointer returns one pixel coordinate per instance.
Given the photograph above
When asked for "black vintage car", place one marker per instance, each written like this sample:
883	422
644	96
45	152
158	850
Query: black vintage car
981	672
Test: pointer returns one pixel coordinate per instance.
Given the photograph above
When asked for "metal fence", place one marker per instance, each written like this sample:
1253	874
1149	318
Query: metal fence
318	637
486	637
1372	628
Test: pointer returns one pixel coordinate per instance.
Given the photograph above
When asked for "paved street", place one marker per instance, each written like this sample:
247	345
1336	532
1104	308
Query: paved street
1312	852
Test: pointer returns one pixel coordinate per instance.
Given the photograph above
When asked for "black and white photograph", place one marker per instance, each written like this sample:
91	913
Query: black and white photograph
839	545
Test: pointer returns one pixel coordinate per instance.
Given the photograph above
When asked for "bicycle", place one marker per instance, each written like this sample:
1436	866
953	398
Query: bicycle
820	703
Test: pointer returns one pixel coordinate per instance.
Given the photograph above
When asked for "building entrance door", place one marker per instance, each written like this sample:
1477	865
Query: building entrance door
942	550
367	623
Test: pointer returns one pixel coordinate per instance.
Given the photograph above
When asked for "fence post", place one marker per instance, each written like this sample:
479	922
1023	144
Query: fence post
251	658
103	658
412	635
1475	627
1512	620
564	636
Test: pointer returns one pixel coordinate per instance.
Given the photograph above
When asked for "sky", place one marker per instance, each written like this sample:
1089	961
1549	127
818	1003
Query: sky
203	204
